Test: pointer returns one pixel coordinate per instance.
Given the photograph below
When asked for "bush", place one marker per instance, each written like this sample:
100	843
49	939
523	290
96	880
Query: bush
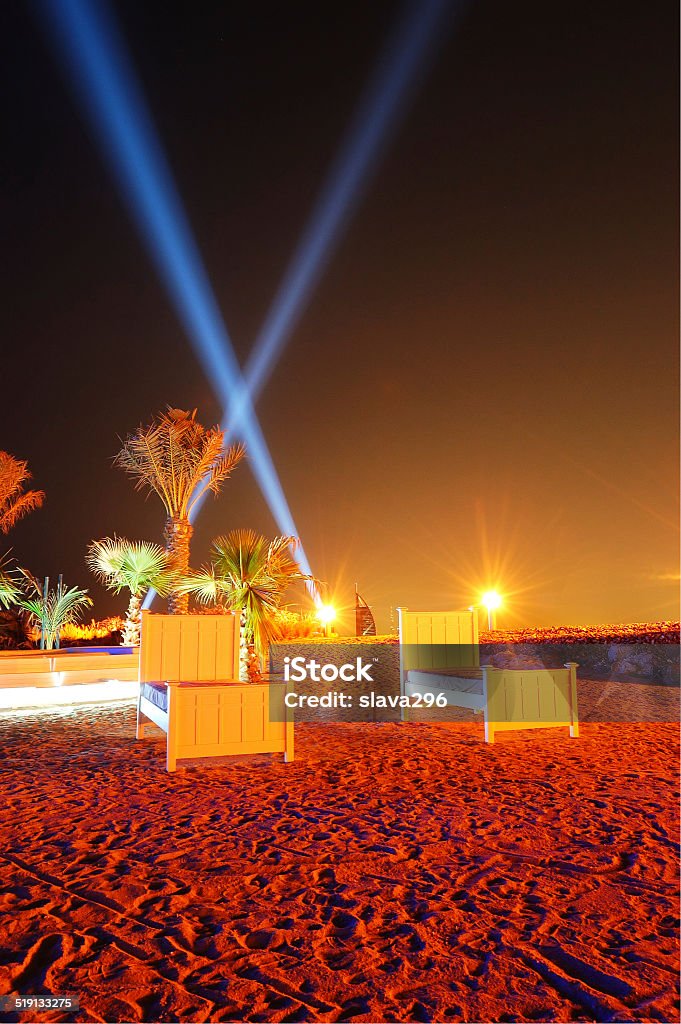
296	625
14	630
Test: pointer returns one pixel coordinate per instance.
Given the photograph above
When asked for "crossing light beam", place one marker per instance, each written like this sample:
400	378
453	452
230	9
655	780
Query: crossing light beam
93	54
384	103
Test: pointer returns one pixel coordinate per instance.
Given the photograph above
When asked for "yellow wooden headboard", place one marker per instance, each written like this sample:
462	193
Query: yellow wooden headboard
189	648
438	639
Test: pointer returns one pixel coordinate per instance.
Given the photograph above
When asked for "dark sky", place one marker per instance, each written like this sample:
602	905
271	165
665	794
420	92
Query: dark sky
483	389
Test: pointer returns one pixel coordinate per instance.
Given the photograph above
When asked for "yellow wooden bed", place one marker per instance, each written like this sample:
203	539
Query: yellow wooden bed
189	687
439	654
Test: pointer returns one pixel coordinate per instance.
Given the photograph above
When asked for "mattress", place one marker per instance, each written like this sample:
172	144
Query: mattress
156	693
459	680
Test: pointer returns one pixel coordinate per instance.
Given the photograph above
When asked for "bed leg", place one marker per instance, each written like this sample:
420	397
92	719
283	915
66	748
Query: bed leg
574	726
404	711
289	752
171	734
140	725
289	727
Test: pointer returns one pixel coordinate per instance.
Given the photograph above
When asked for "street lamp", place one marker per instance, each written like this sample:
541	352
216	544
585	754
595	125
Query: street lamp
491	600
326	614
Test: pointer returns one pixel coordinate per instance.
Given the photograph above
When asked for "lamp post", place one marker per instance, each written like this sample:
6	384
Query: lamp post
326	614
491	600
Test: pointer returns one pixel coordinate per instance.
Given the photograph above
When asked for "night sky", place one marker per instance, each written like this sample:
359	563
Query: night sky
483	389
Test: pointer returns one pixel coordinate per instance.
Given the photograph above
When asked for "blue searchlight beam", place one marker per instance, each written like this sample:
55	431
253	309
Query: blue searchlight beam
93	54
382	106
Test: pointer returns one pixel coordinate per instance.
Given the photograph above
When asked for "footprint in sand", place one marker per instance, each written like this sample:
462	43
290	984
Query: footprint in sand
368	914
355	1007
324	876
391	966
262	938
278	1002
379	848
343	925
48	951
342	960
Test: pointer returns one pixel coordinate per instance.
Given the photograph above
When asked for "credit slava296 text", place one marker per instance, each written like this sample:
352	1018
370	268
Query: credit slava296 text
298	670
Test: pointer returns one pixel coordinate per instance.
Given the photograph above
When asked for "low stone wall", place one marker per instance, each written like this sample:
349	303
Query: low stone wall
616	682
645	663
625	662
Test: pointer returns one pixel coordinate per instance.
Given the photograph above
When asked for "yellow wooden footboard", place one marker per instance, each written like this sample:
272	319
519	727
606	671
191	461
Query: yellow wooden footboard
214	720
530	699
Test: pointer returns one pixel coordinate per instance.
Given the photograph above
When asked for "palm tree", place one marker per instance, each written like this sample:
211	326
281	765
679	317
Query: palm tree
248	573
15	502
54	609
179	460
136	566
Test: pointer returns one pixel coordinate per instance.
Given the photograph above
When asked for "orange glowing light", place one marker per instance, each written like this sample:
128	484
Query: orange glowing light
491	600
326	614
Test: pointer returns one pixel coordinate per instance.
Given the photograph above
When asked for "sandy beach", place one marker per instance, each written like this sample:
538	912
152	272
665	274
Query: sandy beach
391	873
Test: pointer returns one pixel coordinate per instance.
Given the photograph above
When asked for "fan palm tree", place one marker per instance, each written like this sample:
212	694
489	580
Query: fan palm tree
136	566
54	609
15	501
180	461
248	573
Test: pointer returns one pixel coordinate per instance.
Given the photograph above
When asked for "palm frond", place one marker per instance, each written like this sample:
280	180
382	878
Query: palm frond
137	566
216	467
10	584
67	606
144	457
15	502
31	581
205	585
105	558
255	574
54	610
14	474
178	459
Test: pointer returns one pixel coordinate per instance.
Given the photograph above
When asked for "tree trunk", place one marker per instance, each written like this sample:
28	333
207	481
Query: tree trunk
131	630
243	648
177	535
249	663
